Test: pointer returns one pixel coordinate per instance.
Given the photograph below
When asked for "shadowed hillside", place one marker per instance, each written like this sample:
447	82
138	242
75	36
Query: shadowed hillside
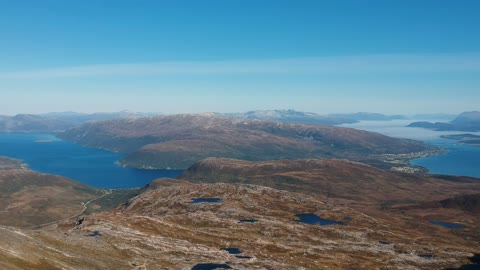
340	179
28	198
466	202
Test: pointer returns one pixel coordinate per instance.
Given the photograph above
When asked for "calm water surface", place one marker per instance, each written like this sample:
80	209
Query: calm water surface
310	218
48	154
206	200
447	225
460	159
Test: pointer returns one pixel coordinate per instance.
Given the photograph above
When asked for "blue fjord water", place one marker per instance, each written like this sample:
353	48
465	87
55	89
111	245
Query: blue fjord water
460	159
47	154
97	167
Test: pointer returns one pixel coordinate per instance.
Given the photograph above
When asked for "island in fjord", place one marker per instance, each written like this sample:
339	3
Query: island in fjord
467	121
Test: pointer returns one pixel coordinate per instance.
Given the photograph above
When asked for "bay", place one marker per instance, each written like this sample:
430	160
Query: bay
460	159
46	153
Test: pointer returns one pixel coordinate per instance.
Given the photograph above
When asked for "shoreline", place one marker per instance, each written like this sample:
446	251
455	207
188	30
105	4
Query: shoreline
401	162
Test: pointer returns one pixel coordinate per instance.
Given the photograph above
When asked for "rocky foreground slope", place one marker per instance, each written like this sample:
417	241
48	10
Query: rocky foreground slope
178	141
163	229
381	220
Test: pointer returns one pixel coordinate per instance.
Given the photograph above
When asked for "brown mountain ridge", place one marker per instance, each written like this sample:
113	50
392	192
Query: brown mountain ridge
341	180
29	198
178	141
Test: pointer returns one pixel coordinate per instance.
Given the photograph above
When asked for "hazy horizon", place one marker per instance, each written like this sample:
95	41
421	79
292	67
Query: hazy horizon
441	115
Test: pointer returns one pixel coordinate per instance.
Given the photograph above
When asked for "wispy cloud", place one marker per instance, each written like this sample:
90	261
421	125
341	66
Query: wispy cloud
388	63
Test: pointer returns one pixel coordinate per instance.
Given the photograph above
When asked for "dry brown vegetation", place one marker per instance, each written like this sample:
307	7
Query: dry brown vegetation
162	229
178	141
340	180
28	198
386	217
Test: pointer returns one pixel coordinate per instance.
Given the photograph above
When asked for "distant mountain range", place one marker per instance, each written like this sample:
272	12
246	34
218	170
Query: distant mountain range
292	116
178	141
31	124
61	121
467	121
76	118
365	116
56	122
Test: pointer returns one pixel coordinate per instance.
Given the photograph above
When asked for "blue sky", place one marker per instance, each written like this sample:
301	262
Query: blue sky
408	56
